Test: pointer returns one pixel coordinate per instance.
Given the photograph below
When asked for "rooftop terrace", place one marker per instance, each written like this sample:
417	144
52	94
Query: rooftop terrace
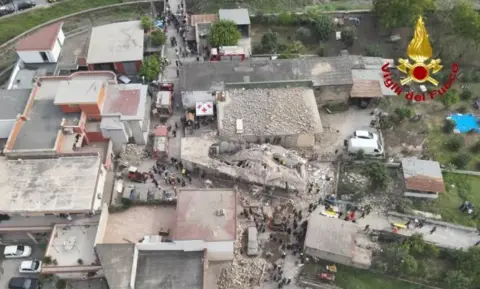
71	243
135	223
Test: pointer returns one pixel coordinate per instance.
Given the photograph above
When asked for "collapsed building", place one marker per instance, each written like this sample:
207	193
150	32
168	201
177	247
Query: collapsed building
269	166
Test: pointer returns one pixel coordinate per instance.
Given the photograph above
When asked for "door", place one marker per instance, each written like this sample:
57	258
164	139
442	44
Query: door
44	56
130	68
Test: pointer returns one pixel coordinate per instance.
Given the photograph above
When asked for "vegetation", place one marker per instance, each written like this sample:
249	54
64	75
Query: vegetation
455	143
152	66
47	260
158	37
60	284
378	175
461	160
323	27
450	98
399	13
373	50
17	24
403	113
448	126
466	94
224	33
147	23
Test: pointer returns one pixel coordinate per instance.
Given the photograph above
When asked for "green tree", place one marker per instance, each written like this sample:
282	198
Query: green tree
461	160
455	143
269	42
224	33
378	175
158	37
152	66
323	27
399	13
403	113
466	21
348	37
466	94
457	280
408	265
285	19
147	23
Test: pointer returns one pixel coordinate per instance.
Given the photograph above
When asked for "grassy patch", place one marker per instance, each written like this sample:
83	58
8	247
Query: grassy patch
351	278
15	25
459	188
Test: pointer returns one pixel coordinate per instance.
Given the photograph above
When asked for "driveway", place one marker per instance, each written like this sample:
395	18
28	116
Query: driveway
9	267
338	127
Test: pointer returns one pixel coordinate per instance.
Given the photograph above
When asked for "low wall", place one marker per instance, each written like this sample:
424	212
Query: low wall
435	222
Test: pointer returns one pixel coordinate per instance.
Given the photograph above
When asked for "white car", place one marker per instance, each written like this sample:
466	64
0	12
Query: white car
17	251
365	134
30	266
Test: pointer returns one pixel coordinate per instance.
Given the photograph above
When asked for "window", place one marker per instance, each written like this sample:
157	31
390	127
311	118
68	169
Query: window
73	105
44	56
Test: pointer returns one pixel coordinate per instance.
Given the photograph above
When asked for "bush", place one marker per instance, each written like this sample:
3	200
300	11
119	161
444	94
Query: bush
158	37
320	51
450	98
360	155
462	109
378	175
455	143
403	113
373	51
348	37
476	147
304	34
147	23
47	260
285	19
462	160
466	94
448	126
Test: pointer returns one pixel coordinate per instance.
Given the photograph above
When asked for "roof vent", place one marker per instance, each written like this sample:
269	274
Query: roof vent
220	212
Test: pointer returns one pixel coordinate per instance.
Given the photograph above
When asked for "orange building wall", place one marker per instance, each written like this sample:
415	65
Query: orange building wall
91	110
95	136
70	109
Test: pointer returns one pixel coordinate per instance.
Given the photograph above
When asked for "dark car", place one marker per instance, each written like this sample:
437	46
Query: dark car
26	4
23	283
7	9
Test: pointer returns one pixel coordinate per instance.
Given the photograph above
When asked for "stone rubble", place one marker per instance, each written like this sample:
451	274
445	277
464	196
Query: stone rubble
133	155
243	269
271	114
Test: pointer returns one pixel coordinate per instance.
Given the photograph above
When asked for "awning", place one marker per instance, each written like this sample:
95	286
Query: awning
204	108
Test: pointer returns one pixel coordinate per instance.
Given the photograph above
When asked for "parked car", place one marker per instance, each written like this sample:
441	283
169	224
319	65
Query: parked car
23	283
365	134
26	4
17	251
30	266
7	9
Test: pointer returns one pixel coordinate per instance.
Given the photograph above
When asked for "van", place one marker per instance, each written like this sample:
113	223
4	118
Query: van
369	146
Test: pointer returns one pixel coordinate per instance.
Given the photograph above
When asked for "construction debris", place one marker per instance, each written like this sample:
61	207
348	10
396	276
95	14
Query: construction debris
243	270
133	155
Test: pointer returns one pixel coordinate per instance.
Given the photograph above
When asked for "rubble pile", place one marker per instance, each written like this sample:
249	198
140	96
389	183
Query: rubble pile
271	115
133	155
355	179
322	175
243	270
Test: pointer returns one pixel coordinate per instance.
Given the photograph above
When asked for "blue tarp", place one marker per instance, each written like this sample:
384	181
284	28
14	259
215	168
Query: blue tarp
159	23
465	122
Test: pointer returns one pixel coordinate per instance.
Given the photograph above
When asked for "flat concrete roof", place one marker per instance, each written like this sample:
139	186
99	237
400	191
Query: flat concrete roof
169	270
423	175
116	42
239	16
69	243
117	261
79	91
197	217
137	222
13	102
66	184
269	112
126	100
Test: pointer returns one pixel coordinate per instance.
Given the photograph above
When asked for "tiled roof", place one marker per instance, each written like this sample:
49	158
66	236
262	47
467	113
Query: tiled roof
43	39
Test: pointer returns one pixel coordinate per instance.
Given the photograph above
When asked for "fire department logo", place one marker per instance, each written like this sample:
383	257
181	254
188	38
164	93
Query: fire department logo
422	67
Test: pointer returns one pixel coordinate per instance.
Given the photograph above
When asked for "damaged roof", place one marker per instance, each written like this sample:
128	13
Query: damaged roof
423	175
254	165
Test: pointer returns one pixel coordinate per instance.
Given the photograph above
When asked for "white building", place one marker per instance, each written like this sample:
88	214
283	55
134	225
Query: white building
42	46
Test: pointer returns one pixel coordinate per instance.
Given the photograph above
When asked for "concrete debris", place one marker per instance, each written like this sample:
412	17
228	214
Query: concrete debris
133	155
356	179
209	133
243	269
